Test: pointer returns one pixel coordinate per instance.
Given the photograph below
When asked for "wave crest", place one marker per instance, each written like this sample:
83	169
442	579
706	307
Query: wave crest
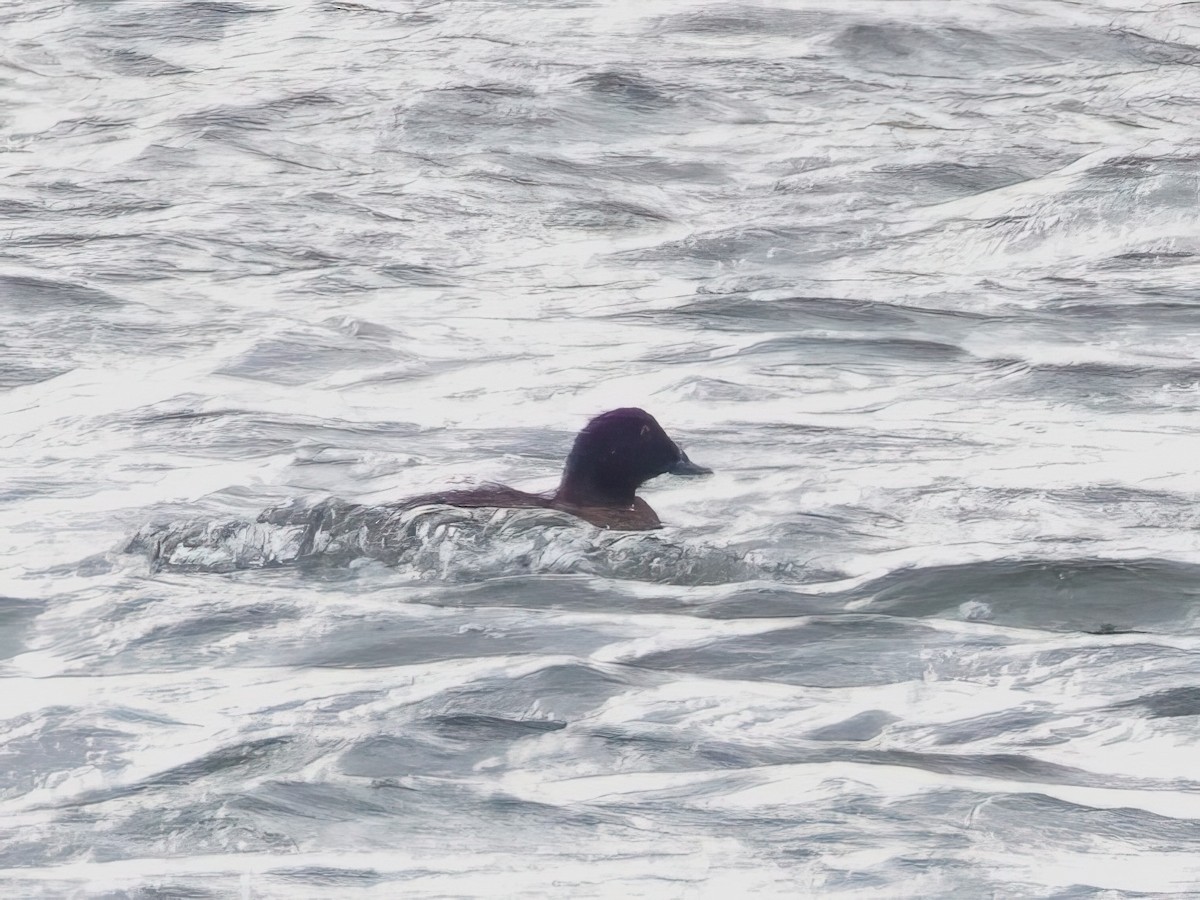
432	542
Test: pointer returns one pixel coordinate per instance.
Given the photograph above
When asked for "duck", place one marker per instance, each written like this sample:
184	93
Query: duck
615	454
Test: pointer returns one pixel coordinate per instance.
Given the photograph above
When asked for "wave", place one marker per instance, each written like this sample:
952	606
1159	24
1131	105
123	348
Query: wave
432	542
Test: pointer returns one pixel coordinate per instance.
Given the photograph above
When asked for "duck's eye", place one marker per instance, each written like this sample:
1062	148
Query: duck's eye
645	430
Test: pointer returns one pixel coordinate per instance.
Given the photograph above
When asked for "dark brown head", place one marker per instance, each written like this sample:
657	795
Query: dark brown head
614	454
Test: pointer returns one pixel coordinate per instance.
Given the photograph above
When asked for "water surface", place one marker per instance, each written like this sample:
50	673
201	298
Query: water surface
918	280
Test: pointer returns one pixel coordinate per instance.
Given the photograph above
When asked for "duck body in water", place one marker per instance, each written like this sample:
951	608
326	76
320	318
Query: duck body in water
612	457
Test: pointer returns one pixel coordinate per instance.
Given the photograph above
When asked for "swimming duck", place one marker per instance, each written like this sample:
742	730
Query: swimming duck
614	454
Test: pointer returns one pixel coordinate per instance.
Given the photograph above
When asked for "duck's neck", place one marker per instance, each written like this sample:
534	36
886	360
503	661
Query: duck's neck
578	489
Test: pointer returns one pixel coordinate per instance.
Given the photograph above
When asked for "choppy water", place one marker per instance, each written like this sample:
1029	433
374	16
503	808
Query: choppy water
919	280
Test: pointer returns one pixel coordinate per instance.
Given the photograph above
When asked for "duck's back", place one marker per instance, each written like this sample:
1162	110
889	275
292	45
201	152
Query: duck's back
499	496
636	517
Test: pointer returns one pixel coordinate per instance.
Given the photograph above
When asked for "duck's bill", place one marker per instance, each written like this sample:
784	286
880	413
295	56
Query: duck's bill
684	466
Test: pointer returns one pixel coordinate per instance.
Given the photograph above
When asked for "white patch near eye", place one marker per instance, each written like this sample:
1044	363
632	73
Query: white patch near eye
645	430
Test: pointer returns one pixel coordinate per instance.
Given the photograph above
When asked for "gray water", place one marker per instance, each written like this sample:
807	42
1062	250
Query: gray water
917	280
